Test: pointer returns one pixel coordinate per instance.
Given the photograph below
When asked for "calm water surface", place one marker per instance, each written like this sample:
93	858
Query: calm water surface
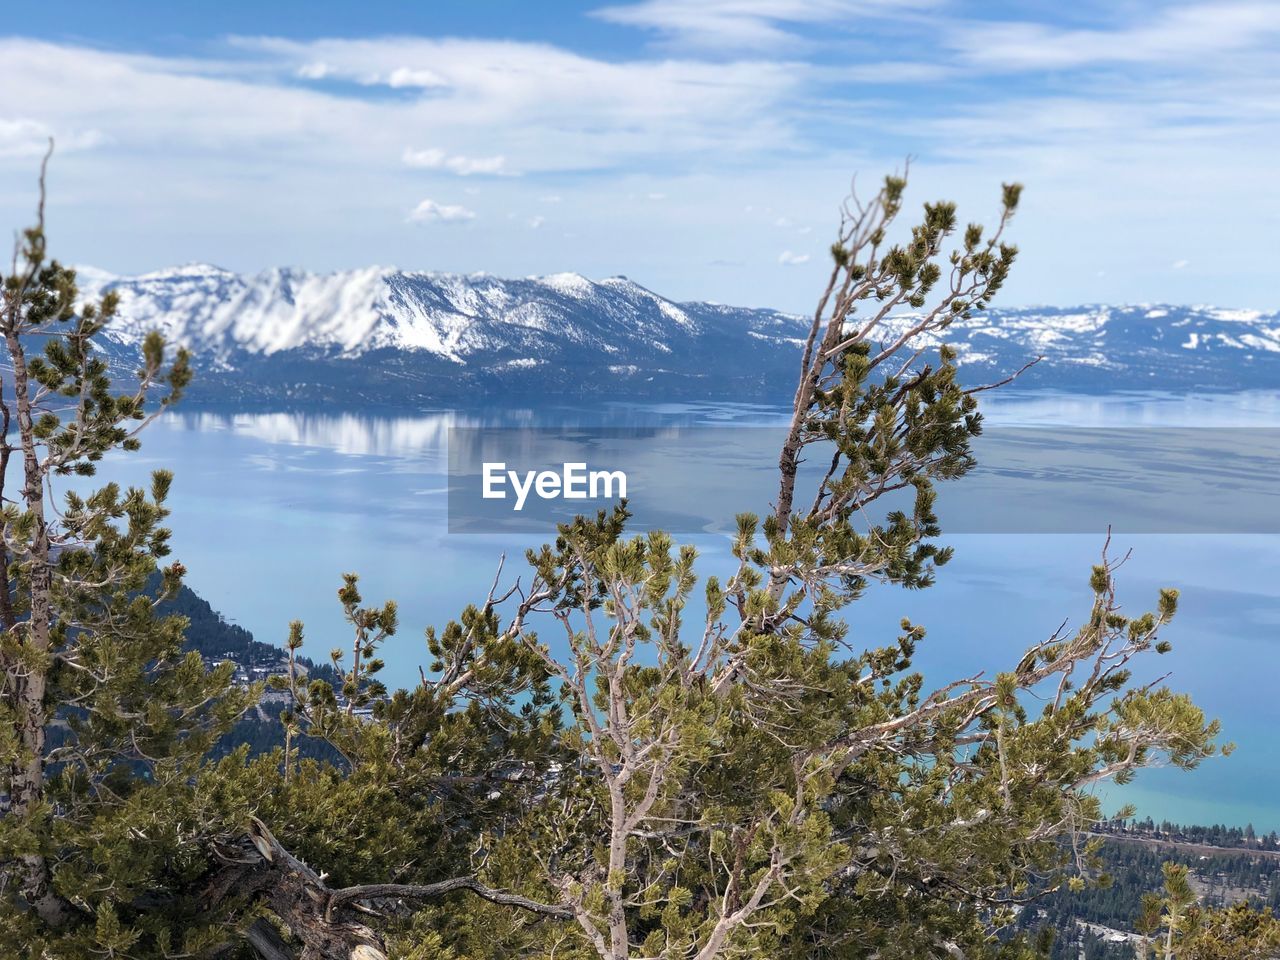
270	509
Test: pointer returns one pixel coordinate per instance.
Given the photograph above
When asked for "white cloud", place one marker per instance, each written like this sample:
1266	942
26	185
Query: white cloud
1181	264
322	168
789	259
428	211
403	77
1174	36
430	158
400	78
555	109
180	140
742	24
435	159
536	222
23	137
469	165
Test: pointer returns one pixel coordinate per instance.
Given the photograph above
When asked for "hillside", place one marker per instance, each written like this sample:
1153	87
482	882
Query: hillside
217	640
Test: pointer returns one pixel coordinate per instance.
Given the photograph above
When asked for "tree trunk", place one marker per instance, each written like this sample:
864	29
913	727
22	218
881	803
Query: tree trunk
260	867
27	772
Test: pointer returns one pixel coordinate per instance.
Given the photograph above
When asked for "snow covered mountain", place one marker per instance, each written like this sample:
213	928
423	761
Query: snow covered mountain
382	336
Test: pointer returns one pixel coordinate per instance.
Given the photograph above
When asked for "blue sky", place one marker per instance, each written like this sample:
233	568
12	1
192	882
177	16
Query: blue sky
700	147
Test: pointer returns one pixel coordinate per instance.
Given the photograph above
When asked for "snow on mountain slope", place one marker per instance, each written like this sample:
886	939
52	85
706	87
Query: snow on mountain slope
1126	347
382	335
217	312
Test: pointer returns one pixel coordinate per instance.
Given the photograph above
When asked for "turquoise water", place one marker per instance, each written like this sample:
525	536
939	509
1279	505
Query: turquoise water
270	510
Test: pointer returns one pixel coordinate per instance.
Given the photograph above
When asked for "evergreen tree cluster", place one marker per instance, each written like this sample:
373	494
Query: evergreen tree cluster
1134	870
1212	835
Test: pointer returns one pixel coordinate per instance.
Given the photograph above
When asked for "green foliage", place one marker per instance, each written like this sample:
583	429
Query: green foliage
1236	933
104	720
618	757
1181	928
743	785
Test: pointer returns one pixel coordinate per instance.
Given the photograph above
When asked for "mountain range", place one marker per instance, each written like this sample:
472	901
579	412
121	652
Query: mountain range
388	337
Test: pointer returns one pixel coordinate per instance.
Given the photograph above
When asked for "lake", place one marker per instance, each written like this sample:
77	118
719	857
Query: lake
270	509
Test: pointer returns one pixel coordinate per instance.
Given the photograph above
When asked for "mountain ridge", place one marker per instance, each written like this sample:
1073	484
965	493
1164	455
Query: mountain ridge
380	335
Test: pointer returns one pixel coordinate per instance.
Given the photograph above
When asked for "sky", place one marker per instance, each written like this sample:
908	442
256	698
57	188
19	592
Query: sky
700	147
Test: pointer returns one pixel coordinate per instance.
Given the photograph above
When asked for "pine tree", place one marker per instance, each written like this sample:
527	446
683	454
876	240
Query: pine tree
1178	928
103	719
746	785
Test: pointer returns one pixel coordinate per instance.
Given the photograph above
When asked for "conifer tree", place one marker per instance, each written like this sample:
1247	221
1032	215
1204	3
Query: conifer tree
102	717
749	785
1179	928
